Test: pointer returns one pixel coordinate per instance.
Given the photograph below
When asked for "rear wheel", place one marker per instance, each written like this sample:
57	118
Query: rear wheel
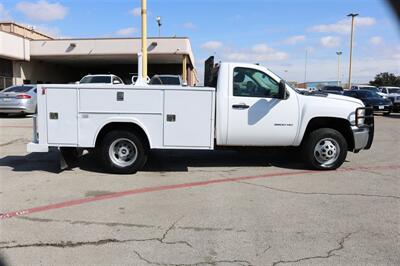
325	149
122	152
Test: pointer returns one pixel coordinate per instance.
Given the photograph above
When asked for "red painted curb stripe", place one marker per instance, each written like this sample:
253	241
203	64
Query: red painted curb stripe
172	187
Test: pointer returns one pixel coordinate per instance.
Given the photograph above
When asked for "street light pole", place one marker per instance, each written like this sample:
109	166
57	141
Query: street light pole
159	26
338	68
144	39
352	15
305	67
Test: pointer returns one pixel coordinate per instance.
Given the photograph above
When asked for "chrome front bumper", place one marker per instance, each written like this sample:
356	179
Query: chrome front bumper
361	138
364	134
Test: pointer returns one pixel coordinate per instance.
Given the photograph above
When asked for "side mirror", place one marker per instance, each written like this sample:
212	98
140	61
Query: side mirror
282	90
116	82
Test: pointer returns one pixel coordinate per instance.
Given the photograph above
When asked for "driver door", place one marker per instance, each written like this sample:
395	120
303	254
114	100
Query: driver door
256	116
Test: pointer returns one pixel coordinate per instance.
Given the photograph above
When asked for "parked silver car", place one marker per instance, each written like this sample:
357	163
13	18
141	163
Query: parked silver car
18	100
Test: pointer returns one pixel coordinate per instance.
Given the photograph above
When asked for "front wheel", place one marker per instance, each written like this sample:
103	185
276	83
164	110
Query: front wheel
325	149
123	152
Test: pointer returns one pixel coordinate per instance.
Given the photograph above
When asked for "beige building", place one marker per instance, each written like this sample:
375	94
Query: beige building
30	57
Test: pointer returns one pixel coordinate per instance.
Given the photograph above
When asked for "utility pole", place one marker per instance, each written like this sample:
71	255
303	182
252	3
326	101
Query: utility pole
159	25
305	68
338	68
352	15
144	39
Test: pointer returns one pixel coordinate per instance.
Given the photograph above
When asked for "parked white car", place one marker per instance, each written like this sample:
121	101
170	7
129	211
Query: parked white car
101	79
393	93
368	88
242	105
390	90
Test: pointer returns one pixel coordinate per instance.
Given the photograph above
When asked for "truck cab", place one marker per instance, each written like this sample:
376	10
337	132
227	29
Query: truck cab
255	107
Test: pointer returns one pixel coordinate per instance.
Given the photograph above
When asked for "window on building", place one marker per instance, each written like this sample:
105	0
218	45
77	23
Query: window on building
6	69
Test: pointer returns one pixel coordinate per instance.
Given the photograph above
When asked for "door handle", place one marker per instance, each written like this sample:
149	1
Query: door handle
241	106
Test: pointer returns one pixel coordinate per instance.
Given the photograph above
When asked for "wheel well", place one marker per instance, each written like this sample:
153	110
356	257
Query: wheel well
132	127
339	124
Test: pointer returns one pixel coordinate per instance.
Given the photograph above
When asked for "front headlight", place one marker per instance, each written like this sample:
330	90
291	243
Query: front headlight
360	117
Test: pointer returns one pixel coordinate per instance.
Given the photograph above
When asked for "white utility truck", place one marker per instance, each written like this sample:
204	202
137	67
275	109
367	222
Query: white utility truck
243	105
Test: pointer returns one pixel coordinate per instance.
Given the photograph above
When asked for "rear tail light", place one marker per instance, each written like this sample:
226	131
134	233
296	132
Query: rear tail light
23	96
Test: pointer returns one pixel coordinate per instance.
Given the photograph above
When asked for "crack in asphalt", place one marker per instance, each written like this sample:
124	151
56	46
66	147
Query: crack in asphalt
70	244
264	251
110	224
238	262
321	193
115	224
172	227
329	254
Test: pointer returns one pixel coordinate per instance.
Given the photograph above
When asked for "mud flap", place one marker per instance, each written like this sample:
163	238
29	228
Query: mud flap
69	158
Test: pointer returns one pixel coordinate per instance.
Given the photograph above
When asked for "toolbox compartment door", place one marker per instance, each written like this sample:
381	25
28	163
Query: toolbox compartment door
188	119
62	116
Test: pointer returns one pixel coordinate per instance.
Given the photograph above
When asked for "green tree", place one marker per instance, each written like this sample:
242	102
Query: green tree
386	79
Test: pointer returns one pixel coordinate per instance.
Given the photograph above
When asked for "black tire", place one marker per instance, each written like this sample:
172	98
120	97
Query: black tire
314	144
131	140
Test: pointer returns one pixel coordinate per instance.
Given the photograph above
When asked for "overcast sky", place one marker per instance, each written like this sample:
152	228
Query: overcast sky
274	33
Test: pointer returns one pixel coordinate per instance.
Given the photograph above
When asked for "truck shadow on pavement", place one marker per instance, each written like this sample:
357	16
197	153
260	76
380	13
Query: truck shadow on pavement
164	161
181	161
47	162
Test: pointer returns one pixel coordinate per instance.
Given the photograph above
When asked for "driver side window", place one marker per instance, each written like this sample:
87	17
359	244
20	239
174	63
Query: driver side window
249	82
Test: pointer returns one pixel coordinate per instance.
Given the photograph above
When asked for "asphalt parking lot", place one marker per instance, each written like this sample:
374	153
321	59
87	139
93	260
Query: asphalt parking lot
200	208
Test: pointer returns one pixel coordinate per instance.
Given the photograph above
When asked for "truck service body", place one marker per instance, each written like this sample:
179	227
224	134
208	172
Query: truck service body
247	105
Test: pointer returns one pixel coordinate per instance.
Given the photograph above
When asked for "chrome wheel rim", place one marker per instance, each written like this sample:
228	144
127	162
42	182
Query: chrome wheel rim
123	152
326	152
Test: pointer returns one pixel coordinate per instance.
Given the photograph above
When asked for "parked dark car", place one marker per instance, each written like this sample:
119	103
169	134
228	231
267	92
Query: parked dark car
372	99
166	80
332	89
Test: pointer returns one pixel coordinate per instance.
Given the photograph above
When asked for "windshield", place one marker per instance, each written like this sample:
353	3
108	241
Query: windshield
96	79
333	89
287	84
370	89
394	91
368	94
19	89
